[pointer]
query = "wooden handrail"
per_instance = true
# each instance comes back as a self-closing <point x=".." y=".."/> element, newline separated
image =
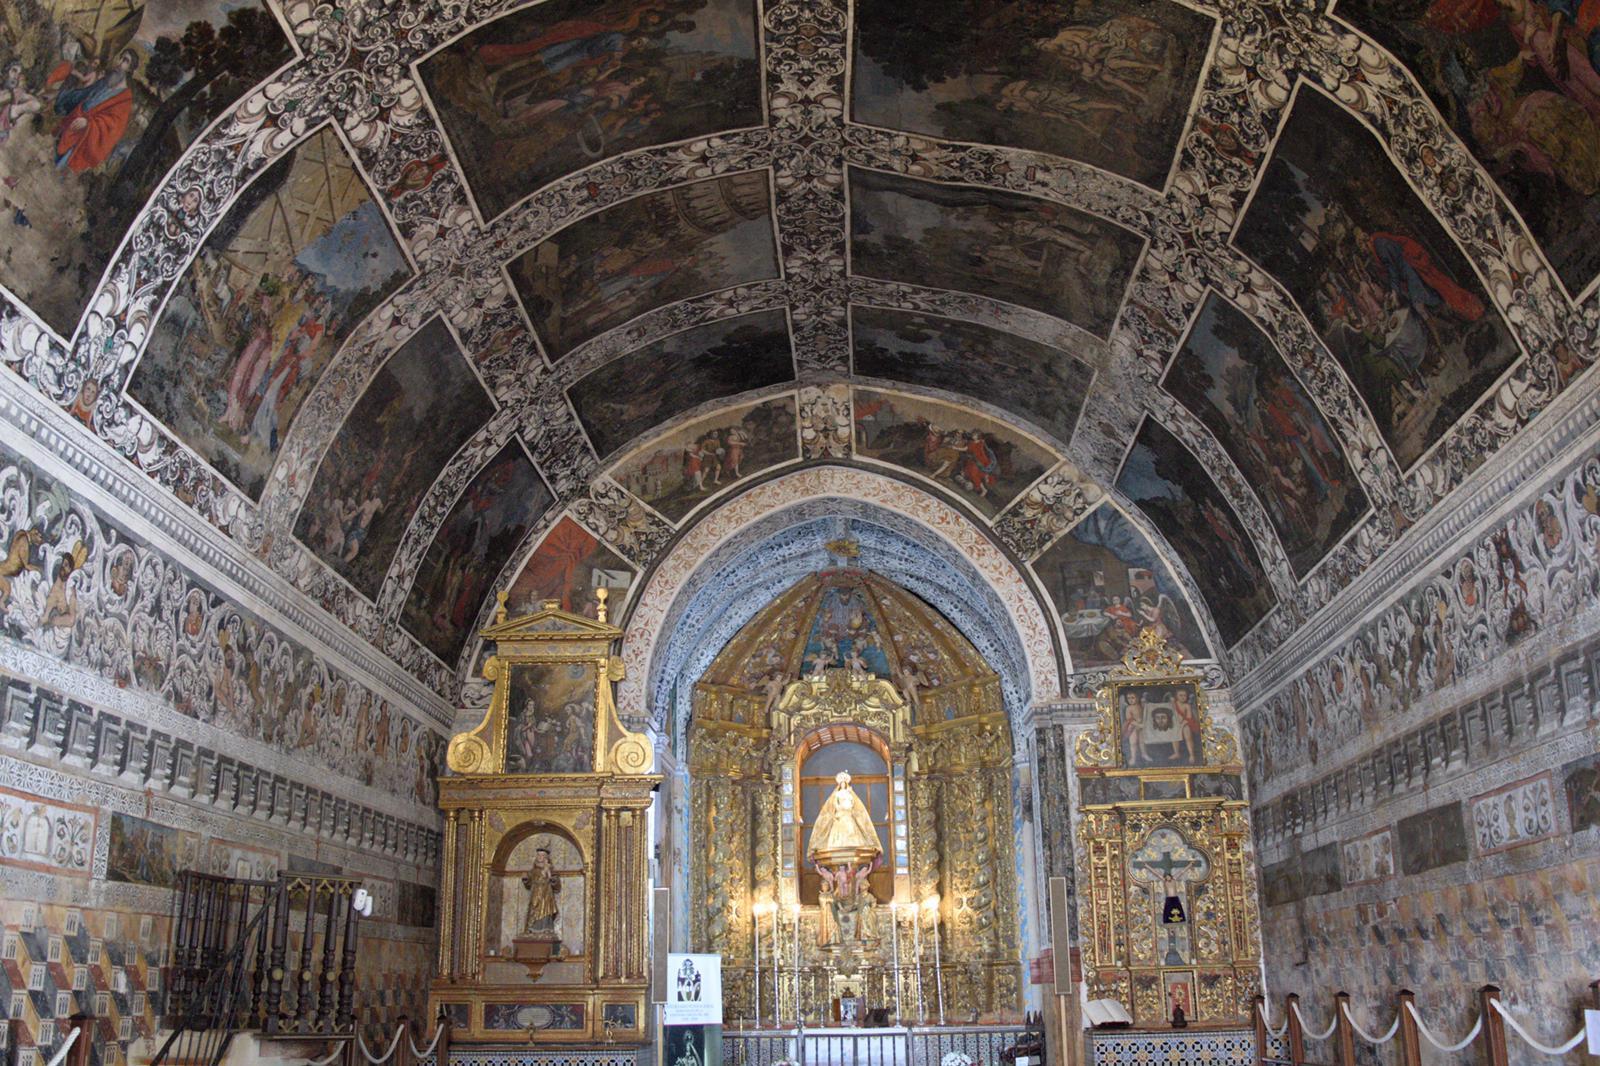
<point x="1258" y="1014"/>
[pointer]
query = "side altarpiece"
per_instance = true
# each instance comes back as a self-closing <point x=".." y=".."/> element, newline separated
<point x="1167" y="906"/>
<point x="542" y="928"/>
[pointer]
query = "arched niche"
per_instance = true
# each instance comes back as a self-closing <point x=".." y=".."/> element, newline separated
<point x="507" y="898"/>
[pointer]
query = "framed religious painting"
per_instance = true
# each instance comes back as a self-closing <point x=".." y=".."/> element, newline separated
<point x="551" y="713"/>
<point x="1158" y="723"/>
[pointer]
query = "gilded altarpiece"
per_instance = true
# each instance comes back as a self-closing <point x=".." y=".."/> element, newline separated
<point x="1168" y="914"/>
<point x="848" y="660"/>
<point x="542" y="924"/>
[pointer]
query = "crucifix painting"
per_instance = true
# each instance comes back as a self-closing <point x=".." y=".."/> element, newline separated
<point x="1167" y="865"/>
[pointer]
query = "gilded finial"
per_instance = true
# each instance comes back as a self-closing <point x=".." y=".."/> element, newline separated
<point x="600" y="594"/>
<point x="500" y="611"/>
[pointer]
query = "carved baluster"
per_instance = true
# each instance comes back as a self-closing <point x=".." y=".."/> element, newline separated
<point x="347" y="971"/>
<point x="303" y="1009"/>
<point x="326" y="990"/>
<point x="280" y="957"/>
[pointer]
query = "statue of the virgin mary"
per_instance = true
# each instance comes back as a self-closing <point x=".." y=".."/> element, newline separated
<point x="843" y="832"/>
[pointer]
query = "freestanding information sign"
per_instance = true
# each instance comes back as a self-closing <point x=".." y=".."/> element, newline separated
<point x="691" y="1017"/>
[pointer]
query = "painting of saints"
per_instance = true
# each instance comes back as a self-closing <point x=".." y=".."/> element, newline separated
<point x="1519" y="82"/>
<point x="676" y="472"/>
<point x="1382" y="282"/>
<point x="1230" y="377"/>
<point x="97" y="102"/>
<point x="987" y="464"/>
<point x="552" y="88"/>
<point x="247" y="333"/>
<point x="550" y="718"/>
<point x="1103" y="81"/>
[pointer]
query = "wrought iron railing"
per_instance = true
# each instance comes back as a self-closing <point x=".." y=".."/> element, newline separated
<point x="979" y="1045"/>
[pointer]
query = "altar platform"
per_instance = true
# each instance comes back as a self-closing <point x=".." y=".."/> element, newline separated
<point x="980" y="1045"/>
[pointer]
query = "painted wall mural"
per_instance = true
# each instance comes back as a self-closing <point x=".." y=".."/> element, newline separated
<point x="83" y="590"/>
<point x="418" y="410"/>
<point x="1108" y="583"/>
<point x="626" y="397"/>
<point x="1520" y="578"/>
<point x="675" y="473"/>
<point x="297" y="262"/>
<point x="1383" y="284"/>
<point x="1104" y="81"/>
<point x="645" y="253"/>
<point x="1517" y="82"/>
<point x="1231" y="377"/>
<point x="96" y="103"/>
<point x="550" y="89"/>
<point x="484" y="527"/>
<point x="982" y="461"/>
<point x="1169" y="485"/>
<point x="1039" y="382"/>
<point x="1019" y="249"/>
<point x="569" y="564"/>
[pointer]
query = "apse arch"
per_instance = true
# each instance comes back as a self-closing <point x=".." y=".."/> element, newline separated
<point x="736" y="558"/>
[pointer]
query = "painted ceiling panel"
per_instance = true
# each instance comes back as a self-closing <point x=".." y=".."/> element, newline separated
<point x="1044" y="384"/>
<point x="150" y="77"/>
<point x="545" y="91"/>
<point x="567" y="566"/>
<point x="1165" y="481"/>
<point x="297" y="262"/>
<point x="681" y="469"/>
<point x="646" y="253"/>
<point x="1107" y="583"/>
<point x="418" y="410"/>
<point x="1525" y="111"/>
<point x="981" y="461"/>
<point x="1388" y="291"/>
<point x="1014" y="248"/>
<point x="1104" y="81"/>
<point x="483" y="529"/>
<point x="1230" y="377"/>
<point x="668" y="378"/>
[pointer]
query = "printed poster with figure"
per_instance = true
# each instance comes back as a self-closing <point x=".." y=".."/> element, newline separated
<point x="694" y="990"/>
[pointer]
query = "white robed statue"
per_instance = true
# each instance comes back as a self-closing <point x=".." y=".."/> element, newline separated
<point x="843" y="833"/>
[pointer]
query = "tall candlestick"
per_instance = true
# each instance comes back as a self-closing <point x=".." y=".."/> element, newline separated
<point x="894" y="938"/>
<point x="795" y="911"/>
<point x="775" y="950"/>
<point x="916" y="939"/>
<point x="938" y="973"/>
<point x="755" y="922"/>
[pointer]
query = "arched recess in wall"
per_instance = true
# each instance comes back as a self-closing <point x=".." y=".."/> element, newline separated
<point x="723" y="569"/>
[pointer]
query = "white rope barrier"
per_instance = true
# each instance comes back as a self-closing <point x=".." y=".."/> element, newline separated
<point x="1266" y="1019"/>
<point x="422" y="1053"/>
<point x="1520" y="1031"/>
<point x="66" y="1045"/>
<point x="1427" y="1034"/>
<point x="1344" y="1005"/>
<point x="387" y="1055"/>
<point x="338" y="1049"/>
<point x="1306" y="1032"/>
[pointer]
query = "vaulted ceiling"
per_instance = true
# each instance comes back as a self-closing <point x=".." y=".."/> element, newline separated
<point x="417" y="303"/>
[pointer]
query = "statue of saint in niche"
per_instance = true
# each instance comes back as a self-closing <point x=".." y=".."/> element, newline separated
<point x="543" y="885"/>
<point x="843" y="833"/>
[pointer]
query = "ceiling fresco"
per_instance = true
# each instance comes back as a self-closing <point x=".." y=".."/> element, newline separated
<point x="1247" y="277"/>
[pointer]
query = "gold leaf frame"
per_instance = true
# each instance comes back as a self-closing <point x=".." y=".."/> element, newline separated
<point x="1151" y="663"/>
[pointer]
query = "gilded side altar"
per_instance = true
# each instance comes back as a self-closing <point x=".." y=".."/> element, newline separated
<point x="542" y="922"/>
<point x="1167" y="905"/>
